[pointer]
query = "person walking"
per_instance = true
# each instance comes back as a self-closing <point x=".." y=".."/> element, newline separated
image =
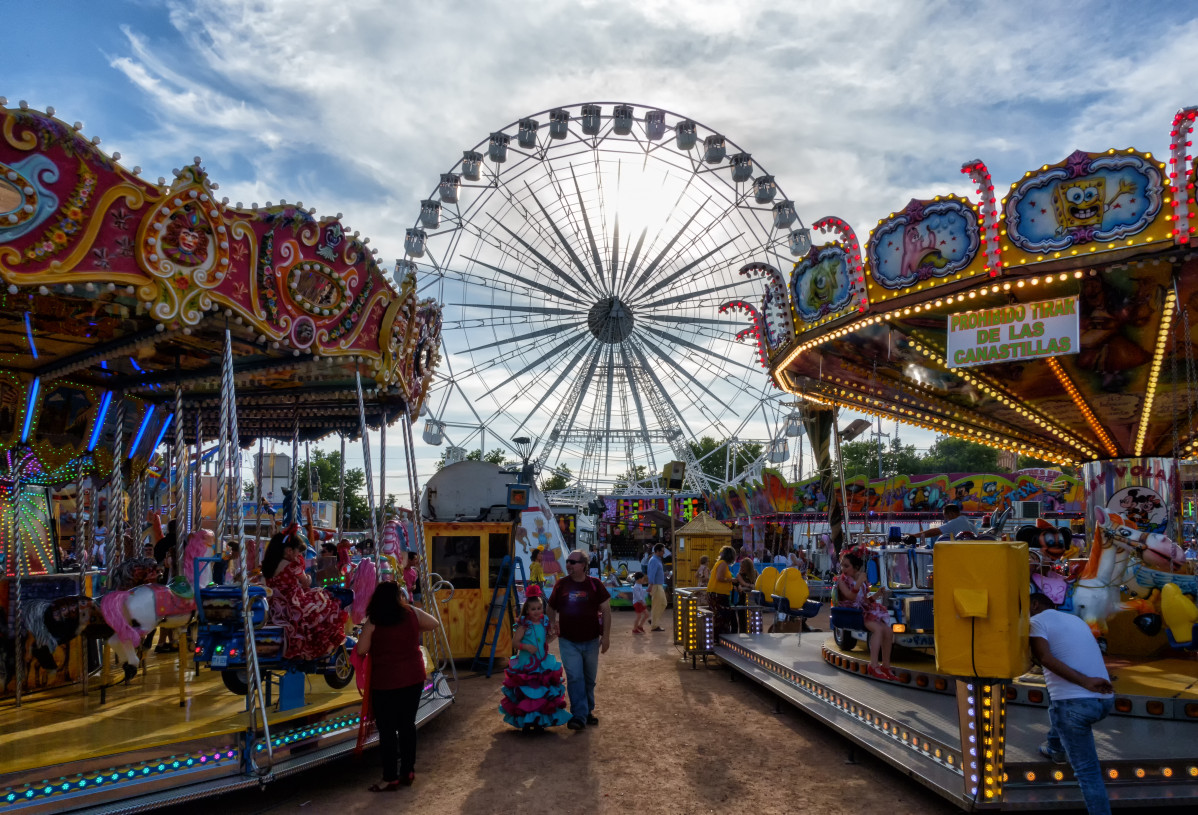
<point x="1080" y="695"/>
<point x="657" y="588"/>
<point x="580" y="617"/>
<point x="391" y="637"/>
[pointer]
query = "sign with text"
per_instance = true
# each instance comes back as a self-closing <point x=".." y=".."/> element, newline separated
<point x="1011" y="333"/>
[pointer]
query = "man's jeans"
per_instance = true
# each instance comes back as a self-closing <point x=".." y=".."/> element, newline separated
<point x="1071" y="722"/>
<point x="581" y="661"/>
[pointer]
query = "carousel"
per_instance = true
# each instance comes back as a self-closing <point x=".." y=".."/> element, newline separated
<point x="149" y="332"/>
<point x="1052" y="322"/>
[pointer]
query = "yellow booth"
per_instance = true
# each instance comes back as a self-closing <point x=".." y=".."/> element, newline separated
<point x="468" y="555"/>
<point x="704" y="535"/>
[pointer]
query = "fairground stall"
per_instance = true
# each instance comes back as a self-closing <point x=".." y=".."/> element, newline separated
<point x="1054" y="322"/>
<point x="148" y="322"/>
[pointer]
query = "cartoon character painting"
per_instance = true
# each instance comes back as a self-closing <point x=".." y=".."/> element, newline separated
<point x="928" y="239"/>
<point x="822" y="283"/>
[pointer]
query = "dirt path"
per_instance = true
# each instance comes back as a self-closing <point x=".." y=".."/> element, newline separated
<point x="670" y="740"/>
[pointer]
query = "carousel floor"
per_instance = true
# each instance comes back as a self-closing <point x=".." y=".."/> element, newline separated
<point x="64" y="726"/>
<point x="1164" y="677"/>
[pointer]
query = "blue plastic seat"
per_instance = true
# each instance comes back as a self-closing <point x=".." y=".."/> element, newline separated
<point x="1192" y="645"/>
<point x="809" y="609"/>
<point x="760" y="599"/>
<point x="847" y="617"/>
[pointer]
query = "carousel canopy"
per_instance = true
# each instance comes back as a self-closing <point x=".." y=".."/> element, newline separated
<point x="1055" y="322"/>
<point x="119" y="289"/>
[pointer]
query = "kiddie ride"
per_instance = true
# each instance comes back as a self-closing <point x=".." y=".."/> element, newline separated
<point x="905" y="572"/>
<point x="221" y="643"/>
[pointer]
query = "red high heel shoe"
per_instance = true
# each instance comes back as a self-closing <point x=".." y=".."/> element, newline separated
<point x="877" y="673"/>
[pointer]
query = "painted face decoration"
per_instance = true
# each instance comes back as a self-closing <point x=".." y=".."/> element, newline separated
<point x="186" y="238"/>
<point x="1080" y="202"/>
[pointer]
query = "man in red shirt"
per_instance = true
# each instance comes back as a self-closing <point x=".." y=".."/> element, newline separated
<point x="580" y="616"/>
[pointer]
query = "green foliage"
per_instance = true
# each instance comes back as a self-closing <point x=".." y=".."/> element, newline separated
<point x="636" y="474"/>
<point x="716" y="464"/>
<point x="558" y="479"/>
<point x="952" y="455"/>
<point x="496" y="456"/>
<point x="861" y="458"/>
<point x="326" y="468"/>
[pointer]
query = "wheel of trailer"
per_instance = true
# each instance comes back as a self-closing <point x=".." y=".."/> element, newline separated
<point x="845" y="639"/>
<point x="236" y="681"/>
<point x="342" y="670"/>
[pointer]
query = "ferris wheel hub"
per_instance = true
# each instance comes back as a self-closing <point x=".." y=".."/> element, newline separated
<point x="610" y="320"/>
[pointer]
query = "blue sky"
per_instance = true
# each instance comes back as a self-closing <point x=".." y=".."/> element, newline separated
<point x="356" y="107"/>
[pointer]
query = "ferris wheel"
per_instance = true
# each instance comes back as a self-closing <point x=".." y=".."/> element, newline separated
<point x="581" y="255"/>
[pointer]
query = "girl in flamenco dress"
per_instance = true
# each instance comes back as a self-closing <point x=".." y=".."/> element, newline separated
<point x="533" y="693"/>
<point x="312" y="618"/>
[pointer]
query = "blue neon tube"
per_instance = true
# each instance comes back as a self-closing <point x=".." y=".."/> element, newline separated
<point x="141" y="431"/>
<point x="99" y="425"/>
<point x="29" y="408"/>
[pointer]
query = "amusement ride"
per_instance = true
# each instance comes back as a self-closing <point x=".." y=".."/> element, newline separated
<point x="582" y="277"/>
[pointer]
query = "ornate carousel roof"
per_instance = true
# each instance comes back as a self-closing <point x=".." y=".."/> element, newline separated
<point x="1054" y="322"/>
<point x="115" y="287"/>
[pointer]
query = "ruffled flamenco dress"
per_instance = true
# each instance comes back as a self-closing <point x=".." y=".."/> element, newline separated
<point x="534" y="696"/>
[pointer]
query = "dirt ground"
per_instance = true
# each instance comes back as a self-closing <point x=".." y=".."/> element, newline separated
<point x="670" y="740"/>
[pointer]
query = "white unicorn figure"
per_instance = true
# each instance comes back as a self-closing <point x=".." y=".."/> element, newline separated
<point x="135" y="613"/>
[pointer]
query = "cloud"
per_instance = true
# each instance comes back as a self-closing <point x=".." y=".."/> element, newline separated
<point x="855" y="107"/>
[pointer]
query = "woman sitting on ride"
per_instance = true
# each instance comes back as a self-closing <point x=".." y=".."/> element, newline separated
<point x="313" y="619"/>
<point x="852" y="590"/>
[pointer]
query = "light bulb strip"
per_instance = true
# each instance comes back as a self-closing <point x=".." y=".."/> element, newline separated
<point x="991" y="245"/>
<point x="1158" y="356"/>
<point x="1075" y="395"/>
<point x="1007" y="399"/>
<point x="1179" y="173"/>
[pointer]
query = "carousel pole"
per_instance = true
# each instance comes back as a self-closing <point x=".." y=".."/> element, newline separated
<point x="258" y="505"/>
<point x="116" y="491"/>
<point x="82" y="549"/>
<point x="195" y="495"/>
<point x="22" y="572"/>
<point x="341" y="492"/>
<point x="383" y="468"/>
<point x="374" y="520"/>
<point x="255" y="698"/>
<point x="294" y="503"/>
<point x="438" y="636"/>
<point x="179" y="459"/>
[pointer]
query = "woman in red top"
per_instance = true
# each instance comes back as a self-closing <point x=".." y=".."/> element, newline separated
<point x="391" y="636"/>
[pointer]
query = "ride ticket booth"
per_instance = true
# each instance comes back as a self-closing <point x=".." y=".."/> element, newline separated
<point x="463" y="558"/>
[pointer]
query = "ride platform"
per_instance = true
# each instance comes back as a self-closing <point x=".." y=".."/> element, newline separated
<point x="1148" y="749"/>
<point x="66" y="752"/>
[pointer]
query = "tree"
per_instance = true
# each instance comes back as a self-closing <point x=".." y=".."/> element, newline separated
<point x="497" y="456"/>
<point x="861" y="458"/>
<point x="715" y="465"/>
<point x="952" y="455"/>
<point x="634" y="475"/>
<point x="559" y="478"/>
<point x="326" y="469"/>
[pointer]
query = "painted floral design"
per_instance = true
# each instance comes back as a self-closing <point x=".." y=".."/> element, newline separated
<point x="72" y="214"/>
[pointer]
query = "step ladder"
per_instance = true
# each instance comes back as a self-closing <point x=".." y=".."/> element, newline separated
<point x="500" y="608"/>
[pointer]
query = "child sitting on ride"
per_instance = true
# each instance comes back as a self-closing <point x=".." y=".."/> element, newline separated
<point x="703" y="573"/>
<point x="640" y="593"/>
<point x="533" y="693"/>
<point x="852" y="590"/>
<point x="312" y="618"/>
<point x="746" y="579"/>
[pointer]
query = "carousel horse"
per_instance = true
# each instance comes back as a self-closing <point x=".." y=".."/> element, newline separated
<point x="1097" y="595"/>
<point x="52" y="623"/>
<point x="134" y="613"/>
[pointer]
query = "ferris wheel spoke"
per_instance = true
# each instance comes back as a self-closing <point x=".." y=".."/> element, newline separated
<point x="611" y="382"/>
<point x="668" y="359"/>
<point x="530" y="283"/>
<point x="661" y="389"/>
<point x="569" y="312"/>
<point x="557" y="270"/>
<point x="736" y="284"/>
<point x="665" y="281"/>
<point x="645" y="275"/>
<point x="566" y="370"/>
<point x="565" y="244"/>
<point x="586" y="222"/>
<point x="544" y="332"/>
<point x="636" y="395"/>
<point x="560" y="347"/>
<point x="707" y="352"/>
<point x="688" y="320"/>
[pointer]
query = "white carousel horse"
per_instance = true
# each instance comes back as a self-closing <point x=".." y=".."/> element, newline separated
<point x="1111" y="566"/>
<point x="135" y="613"/>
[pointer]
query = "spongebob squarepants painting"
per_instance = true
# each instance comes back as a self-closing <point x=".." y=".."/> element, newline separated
<point x="1088" y="198"/>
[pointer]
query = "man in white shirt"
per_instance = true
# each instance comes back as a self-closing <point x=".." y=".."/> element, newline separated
<point x="954" y="523"/>
<point x="1080" y="695"/>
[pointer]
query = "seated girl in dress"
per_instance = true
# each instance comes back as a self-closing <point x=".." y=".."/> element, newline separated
<point x="852" y="590"/>
<point x="533" y="693"/>
<point x="312" y="618"/>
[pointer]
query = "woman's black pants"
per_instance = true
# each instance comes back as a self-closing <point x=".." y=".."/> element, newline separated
<point x="395" y="717"/>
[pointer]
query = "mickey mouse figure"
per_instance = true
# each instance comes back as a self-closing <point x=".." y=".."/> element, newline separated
<point x="1047" y="546"/>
